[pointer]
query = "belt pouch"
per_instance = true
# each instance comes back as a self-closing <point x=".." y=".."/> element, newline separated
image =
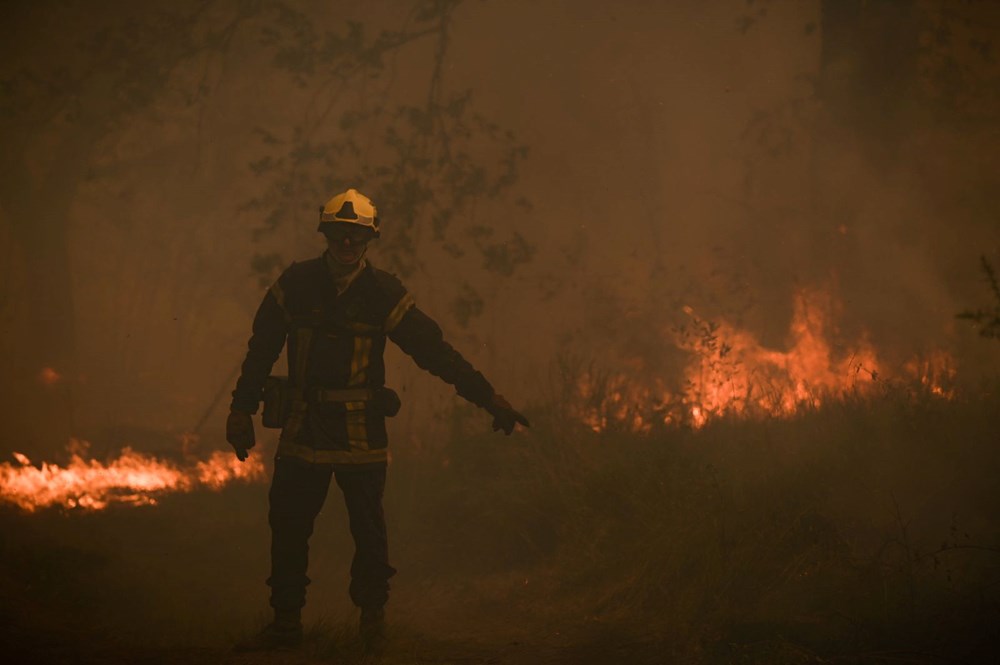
<point x="277" y="402"/>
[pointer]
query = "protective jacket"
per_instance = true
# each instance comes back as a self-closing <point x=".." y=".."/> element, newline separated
<point x="344" y="336"/>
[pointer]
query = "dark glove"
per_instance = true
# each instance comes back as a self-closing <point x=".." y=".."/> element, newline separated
<point x="504" y="415"/>
<point x="239" y="433"/>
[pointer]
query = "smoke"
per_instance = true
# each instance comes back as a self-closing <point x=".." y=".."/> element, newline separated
<point x="678" y="155"/>
<point x="697" y="163"/>
<point x="684" y="159"/>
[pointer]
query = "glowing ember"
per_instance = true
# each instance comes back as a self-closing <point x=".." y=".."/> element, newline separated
<point x="49" y="377"/>
<point x="131" y="478"/>
<point x="731" y="373"/>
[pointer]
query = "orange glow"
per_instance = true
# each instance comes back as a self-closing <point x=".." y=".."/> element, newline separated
<point x="936" y="373"/>
<point x="131" y="478"/>
<point x="730" y="373"/>
<point x="49" y="377"/>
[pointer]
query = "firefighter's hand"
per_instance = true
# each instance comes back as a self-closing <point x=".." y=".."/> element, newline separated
<point x="239" y="433"/>
<point x="504" y="415"/>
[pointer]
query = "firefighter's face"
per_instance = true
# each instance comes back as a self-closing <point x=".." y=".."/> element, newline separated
<point x="348" y="245"/>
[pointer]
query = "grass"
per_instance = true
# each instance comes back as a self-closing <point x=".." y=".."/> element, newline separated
<point x="852" y="533"/>
<point x="862" y="532"/>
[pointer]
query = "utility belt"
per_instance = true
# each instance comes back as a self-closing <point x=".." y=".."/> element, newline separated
<point x="279" y="396"/>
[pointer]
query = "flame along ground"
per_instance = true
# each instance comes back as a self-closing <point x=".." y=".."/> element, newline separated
<point x="729" y="373"/>
<point x="131" y="478"/>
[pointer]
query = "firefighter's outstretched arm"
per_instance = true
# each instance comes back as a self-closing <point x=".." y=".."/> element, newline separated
<point x="504" y="415"/>
<point x="420" y="337"/>
<point x="269" y="332"/>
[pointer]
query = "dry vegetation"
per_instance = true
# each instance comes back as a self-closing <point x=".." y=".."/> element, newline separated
<point x="863" y="532"/>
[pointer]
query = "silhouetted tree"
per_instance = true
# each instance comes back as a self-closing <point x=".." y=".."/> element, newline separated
<point x="103" y="66"/>
<point x="428" y="162"/>
<point x="987" y="320"/>
<point x="57" y="105"/>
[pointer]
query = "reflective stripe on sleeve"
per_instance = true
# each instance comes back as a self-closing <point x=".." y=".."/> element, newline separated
<point x="279" y="295"/>
<point x="396" y="315"/>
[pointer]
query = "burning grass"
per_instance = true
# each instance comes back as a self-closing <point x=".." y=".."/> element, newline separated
<point x="730" y="373"/>
<point x="130" y="478"/>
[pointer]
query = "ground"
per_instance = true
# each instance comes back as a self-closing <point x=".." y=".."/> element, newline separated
<point x="865" y="532"/>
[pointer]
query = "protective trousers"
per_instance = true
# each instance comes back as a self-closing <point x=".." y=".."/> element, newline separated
<point x="298" y="491"/>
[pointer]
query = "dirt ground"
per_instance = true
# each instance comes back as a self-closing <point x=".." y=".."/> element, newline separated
<point x="135" y="586"/>
<point x="864" y="533"/>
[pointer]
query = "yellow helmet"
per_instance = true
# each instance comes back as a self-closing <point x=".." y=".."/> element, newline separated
<point x="351" y="207"/>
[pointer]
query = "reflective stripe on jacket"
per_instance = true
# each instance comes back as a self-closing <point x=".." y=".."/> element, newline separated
<point x="345" y="337"/>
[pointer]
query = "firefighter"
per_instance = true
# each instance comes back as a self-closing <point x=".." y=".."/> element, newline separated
<point x="335" y="313"/>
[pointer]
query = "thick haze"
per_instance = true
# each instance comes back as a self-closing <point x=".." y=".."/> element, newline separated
<point x="677" y="156"/>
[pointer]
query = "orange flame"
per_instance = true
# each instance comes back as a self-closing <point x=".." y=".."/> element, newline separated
<point x="731" y="373"/>
<point x="936" y="373"/>
<point x="131" y="478"/>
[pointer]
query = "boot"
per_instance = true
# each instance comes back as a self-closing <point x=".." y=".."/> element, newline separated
<point x="285" y="632"/>
<point x="371" y="630"/>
